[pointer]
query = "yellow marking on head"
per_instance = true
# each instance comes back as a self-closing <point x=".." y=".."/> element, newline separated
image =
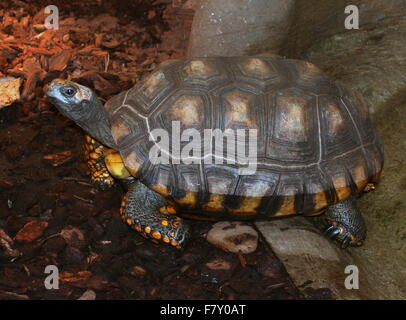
<point x="165" y="223"/>
<point x="172" y="234"/>
<point x="166" y="240"/>
<point x="174" y="243"/>
<point x="147" y="229"/>
<point x="129" y="221"/>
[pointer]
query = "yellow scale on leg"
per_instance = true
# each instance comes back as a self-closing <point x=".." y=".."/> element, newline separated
<point x="95" y="156"/>
<point x="147" y="232"/>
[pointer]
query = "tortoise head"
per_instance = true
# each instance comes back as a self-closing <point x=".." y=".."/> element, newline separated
<point x="72" y="99"/>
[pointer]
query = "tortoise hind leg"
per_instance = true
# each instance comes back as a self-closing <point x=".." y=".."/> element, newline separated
<point x="146" y="212"/>
<point x="95" y="154"/>
<point x="346" y="224"/>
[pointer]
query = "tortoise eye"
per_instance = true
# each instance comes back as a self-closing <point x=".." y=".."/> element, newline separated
<point x="69" y="91"/>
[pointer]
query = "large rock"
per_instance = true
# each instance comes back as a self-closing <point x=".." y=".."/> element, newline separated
<point x="239" y="27"/>
<point x="371" y="59"/>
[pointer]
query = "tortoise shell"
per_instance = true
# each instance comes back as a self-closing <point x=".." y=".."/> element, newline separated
<point x="315" y="142"/>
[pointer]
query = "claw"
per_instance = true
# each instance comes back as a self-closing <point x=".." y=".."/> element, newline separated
<point x="346" y="242"/>
<point x="332" y="232"/>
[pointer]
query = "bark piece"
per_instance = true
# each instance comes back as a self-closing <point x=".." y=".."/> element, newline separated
<point x="9" y="91"/>
<point x="31" y="231"/>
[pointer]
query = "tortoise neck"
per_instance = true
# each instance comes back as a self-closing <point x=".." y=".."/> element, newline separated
<point x="97" y="124"/>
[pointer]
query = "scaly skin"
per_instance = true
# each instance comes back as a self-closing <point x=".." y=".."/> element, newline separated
<point x="346" y="224"/>
<point x="146" y="212"/>
<point x="94" y="155"/>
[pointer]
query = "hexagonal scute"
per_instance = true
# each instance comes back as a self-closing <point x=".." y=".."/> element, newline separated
<point x="259" y="72"/>
<point x="337" y="129"/>
<point x="199" y="68"/>
<point x="205" y="72"/>
<point x="355" y="104"/>
<point x="155" y="82"/>
<point x="127" y="127"/>
<point x="146" y="94"/>
<point x="309" y="77"/>
<point x="178" y="118"/>
<point x="188" y="110"/>
<point x="292" y="119"/>
<point x="293" y="125"/>
<point x="256" y="68"/>
<point x="239" y="109"/>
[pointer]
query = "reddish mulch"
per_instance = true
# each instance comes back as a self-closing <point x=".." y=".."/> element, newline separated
<point x="50" y="214"/>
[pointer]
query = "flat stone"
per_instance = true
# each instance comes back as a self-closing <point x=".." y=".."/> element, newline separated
<point x="316" y="264"/>
<point x="236" y="237"/>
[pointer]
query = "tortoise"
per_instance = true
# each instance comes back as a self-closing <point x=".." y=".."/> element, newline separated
<point x="315" y="148"/>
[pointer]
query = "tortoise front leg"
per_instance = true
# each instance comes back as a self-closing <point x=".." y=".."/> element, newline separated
<point x="346" y="224"/>
<point x="95" y="159"/>
<point x="146" y="212"/>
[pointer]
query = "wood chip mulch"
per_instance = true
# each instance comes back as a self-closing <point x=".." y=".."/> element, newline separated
<point x="49" y="212"/>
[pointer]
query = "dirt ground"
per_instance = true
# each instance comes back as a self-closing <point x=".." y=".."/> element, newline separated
<point x="50" y="214"/>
